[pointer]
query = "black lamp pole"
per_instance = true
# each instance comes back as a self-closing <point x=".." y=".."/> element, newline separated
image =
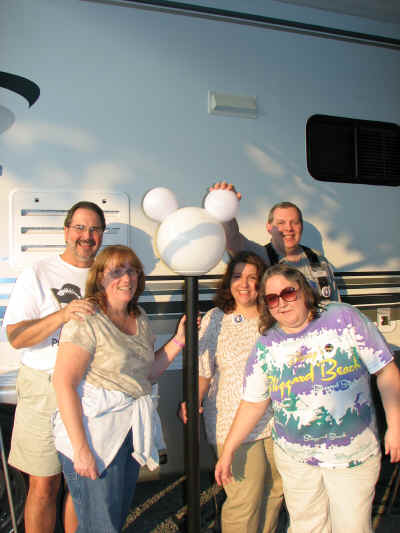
<point x="191" y="395"/>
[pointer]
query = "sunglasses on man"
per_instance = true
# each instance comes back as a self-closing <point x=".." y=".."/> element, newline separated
<point x="289" y="294"/>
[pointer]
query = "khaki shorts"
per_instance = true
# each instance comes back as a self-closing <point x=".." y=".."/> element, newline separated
<point x="32" y="442"/>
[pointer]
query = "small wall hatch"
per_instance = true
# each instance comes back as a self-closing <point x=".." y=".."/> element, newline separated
<point x="232" y="105"/>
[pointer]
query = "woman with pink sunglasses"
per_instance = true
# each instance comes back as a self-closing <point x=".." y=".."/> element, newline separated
<point x="314" y="364"/>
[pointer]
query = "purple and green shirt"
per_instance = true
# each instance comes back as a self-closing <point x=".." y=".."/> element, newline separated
<point x="319" y="382"/>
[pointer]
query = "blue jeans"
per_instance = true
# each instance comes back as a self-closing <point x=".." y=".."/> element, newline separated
<point x="102" y="505"/>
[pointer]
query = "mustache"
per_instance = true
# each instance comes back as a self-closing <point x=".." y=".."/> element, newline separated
<point x="86" y="241"/>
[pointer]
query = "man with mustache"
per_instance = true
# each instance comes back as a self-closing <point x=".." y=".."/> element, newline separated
<point x="45" y="297"/>
<point x="285" y="225"/>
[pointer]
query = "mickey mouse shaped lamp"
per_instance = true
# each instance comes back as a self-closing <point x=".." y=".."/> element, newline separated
<point x="191" y="241"/>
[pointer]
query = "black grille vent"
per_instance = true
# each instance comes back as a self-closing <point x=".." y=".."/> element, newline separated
<point x="353" y="151"/>
<point x="379" y="155"/>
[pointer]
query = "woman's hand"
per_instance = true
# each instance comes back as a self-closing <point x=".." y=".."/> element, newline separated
<point x="85" y="463"/>
<point x="167" y="353"/>
<point x="392" y="444"/>
<point x="180" y="334"/>
<point x="223" y="469"/>
<point x="388" y="381"/>
<point x="182" y="412"/>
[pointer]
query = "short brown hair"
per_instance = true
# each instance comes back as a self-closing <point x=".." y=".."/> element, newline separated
<point x="223" y="298"/>
<point x="121" y="254"/>
<point x="311" y="299"/>
<point x="284" y="205"/>
<point x="91" y="206"/>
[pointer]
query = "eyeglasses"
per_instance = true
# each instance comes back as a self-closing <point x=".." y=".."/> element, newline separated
<point x="79" y="228"/>
<point x="118" y="272"/>
<point x="289" y="294"/>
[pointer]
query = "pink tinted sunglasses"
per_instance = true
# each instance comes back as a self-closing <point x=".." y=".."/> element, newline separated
<point x="289" y="294"/>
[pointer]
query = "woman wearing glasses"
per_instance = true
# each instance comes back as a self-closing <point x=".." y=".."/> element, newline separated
<point x="103" y="378"/>
<point x="227" y="334"/>
<point x="313" y="363"/>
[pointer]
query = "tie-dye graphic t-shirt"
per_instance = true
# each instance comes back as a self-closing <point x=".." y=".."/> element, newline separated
<point x="319" y="383"/>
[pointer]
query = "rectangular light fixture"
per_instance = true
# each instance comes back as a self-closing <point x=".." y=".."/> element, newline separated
<point x="231" y="105"/>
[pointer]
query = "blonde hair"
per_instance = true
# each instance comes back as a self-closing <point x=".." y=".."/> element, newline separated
<point x="119" y="254"/>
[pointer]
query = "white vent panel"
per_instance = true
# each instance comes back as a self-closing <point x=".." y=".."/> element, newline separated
<point x="37" y="221"/>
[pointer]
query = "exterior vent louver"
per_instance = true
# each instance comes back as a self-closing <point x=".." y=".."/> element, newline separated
<point x="379" y="155"/>
<point x="353" y="151"/>
<point x="37" y="221"/>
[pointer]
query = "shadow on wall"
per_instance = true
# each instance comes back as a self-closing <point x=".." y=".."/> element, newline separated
<point x="312" y="237"/>
<point x="7" y="119"/>
<point x="335" y="204"/>
<point x="142" y="245"/>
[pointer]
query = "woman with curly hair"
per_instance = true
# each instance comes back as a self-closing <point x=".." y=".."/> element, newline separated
<point x="227" y="334"/>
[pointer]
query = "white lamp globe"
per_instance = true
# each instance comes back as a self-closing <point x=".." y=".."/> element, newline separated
<point x="190" y="241"/>
<point x="159" y="202"/>
<point x="223" y="204"/>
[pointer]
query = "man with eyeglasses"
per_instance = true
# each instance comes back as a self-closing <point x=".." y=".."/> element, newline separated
<point x="45" y="297"/>
<point x="285" y="225"/>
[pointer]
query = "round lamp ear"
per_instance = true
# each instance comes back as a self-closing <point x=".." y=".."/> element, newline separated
<point x="222" y="204"/>
<point x="159" y="202"/>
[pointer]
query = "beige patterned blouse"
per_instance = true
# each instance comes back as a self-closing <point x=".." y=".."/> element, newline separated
<point x="225" y="343"/>
<point x="119" y="361"/>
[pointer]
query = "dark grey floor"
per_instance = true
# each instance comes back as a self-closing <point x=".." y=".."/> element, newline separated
<point x="159" y="506"/>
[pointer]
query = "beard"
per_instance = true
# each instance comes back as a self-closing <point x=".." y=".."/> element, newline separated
<point x="83" y="248"/>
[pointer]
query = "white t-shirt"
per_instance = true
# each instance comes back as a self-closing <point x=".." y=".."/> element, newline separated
<point x="40" y="290"/>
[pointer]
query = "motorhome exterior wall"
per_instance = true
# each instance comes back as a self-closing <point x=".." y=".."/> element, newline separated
<point x="123" y="108"/>
<point x="303" y="11"/>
